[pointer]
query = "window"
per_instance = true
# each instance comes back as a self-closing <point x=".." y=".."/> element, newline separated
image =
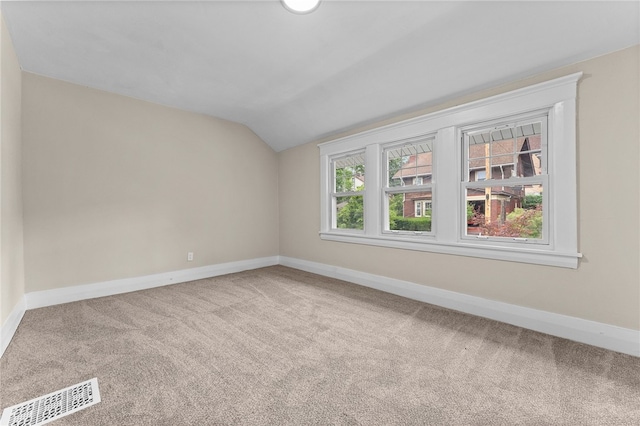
<point x="348" y="189"/>
<point x="511" y="159"/>
<point x="426" y="209"/>
<point x="495" y="178"/>
<point x="422" y="208"/>
<point x="409" y="168"/>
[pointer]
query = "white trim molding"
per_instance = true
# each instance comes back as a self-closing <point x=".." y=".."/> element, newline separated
<point x="11" y="324"/>
<point x="552" y="103"/>
<point x="39" y="299"/>
<point x="593" y="333"/>
<point x="580" y="330"/>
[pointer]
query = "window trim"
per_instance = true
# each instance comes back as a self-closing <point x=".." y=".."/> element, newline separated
<point x="335" y="194"/>
<point x="421" y="206"/>
<point x="557" y="96"/>
<point x="541" y="179"/>
<point x="403" y="188"/>
<point x="484" y="176"/>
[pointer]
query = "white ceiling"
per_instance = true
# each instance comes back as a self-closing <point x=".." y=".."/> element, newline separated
<point x="297" y="78"/>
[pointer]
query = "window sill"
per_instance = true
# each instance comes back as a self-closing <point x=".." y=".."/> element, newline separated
<point x="512" y="254"/>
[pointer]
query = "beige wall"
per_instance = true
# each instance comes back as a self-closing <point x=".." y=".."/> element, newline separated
<point x="605" y="287"/>
<point x="11" y="235"/>
<point x="116" y="188"/>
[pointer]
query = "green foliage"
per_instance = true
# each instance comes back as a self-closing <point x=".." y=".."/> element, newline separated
<point x="396" y="205"/>
<point x="411" y="224"/>
<point x="350" y="208"/>
<point x="531" y="201"/>
<point x="395" y="164"/>
<point x="528" y="222"/>
<point x="474" y="217"/>
<point x="351" y="214"/>
<point x="397" y="221"/>
<point x="470" y="211"/>
<point x="520" y="223"/>
<point x="345" y="178"/>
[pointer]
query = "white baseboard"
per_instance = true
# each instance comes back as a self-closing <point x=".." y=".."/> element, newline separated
<point x="580" y="330"/>
<point x="39" y="299"/>
<point x="11" y="324"/>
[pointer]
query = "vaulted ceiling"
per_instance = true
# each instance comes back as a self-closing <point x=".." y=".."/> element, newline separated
<point x="297" y="78"/>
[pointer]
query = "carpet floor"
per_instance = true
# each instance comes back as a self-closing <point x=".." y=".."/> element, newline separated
<point x="279" y="346"/>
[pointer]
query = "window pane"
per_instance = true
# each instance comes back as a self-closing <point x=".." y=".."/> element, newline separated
<point x="505" y="152"/>
<point x="349" y="173"/>
<point x="350" y="212"/>
<point x="410" y="164"/>
<point x="505" y="211"/>
<point x="410" y="211"/>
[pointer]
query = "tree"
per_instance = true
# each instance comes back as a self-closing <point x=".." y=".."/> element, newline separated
<point x="345" y="178"/>
<point x="532" y="201"/>
<point x="396" y="201"/>
<point x="395" y="164"/>
<point x="350" y="207"/>
<point x="350" y="212"/>
<point x="396" y="205"/>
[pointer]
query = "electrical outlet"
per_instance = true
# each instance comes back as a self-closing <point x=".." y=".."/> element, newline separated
<point x="190" y="256"/>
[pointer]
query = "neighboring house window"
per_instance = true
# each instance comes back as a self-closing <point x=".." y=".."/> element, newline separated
<point x="422" y="208"/>
<point x="495" y="178"/>
<point x="347" y="197"/>
<point x="426" y="208"/>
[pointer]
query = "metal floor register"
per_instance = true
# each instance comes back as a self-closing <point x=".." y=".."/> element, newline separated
<point x="47" y="408"/>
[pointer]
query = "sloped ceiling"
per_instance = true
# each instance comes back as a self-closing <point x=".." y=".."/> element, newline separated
<point x="297" y="78"/>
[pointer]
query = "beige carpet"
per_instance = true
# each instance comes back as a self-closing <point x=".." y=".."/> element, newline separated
<point x="283" y="347"/>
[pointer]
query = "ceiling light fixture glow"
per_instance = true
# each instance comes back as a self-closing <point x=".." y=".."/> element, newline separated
<point x="301" y="6"/>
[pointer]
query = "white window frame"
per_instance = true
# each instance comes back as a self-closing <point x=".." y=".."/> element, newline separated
<point x="424" y="207"/>
<point x="421" y="206"/>
<point x="403" y="189"/>
<point x="556" y="97"/>
<point x="335" y="194"/>
<point x="509" y="181"/>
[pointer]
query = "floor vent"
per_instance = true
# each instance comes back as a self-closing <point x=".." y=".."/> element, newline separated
<point x="45" y="409"/>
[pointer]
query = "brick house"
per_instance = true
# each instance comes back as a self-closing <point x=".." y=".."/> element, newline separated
<point x="506" y="160"/>
<point x="417" y="170"/>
